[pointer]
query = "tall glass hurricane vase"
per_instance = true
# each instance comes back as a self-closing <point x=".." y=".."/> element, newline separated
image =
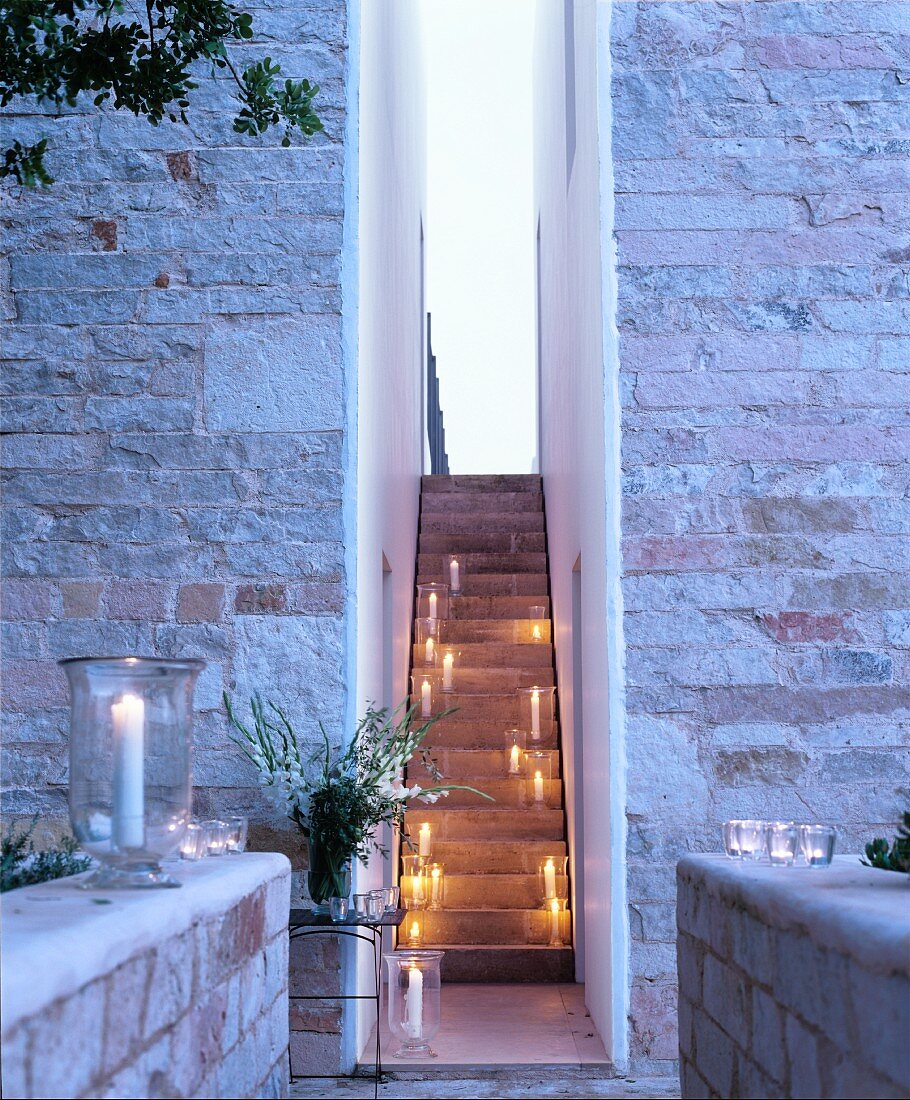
<point x="130" y="752"/>
<point x="329" y="874"/>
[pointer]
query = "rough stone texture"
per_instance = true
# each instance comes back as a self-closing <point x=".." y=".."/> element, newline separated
<point x="169" y="993"/>
<point x="761" y="175"/>
<point x="790" y="980"/>
<point x="176" y="399"/>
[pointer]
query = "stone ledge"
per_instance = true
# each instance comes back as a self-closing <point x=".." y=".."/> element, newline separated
<point x="859" y="912"/>
<point x="56" y="938"/>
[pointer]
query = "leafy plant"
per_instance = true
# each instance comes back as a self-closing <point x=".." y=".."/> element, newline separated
<point x="141" y="56"/>
<point x="894" y="856"/>
<point x="338" y="798"/>
<point x="22" y="865"/>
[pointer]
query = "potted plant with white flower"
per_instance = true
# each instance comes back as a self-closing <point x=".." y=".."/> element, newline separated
<point x="339" y="797"/>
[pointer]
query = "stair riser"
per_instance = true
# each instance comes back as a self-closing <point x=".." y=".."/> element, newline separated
<point x="492" y="891"/>
<point x="495" y="709"/>
<point x="506" y="794"/>
<point x="500" y="681"/>
<point x="480" y="502"/>
<point x="481" y="483"/>
<point x="496" y="607"/>
<point x="494" y="584"/>
<point x="479" y="770"/>
<point x="479" y="543"/>
<point x="438" y="564"/>
<point x="486" y="523"/>
<point x="483" y="825"/>
<point x="495" y="655"/>
<point x="510" y="965"/>
<point x="495" y="631"/>
<point x="488" y="926"/>
<point x="496" y="857"/>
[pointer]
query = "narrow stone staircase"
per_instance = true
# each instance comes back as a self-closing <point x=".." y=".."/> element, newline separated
<point x="493" y="926"/>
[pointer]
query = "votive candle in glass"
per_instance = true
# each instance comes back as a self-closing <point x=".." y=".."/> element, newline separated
<point x="555" y="909"/>
<point x="338" y="909"/>
<point x="239" y="827"/>
<point x="391" y="895"/>
<point x="455" y="569"/>
<point x="731" y="844"/>
<point x="433" y="601"/>
<point x="818" y="843"/>
<point x="413" y="929"/>
<point x="552" y="879"/>
<point x="216" y="837"/>
<point x="193" y="844"/>
<point x="427" y="642"/>
<point x="782" y="840"/>
<point x="749" y="837"/>
<point x="375" y="904"/>
<point x="516" y="741"/>
<point x="413" y="883"/>
<point x="449" y="660"/>
<point x="435" y="883"/>
<point x="537" y="618"/>
<point x="361" y="905"/>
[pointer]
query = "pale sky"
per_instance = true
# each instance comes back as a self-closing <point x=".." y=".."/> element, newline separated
<point x="480" y="229"/>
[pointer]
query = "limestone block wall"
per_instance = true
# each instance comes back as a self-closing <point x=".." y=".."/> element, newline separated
<point x="792" y="980"/>
<point x="761" y="174"/>
<point x="157" y="993"/>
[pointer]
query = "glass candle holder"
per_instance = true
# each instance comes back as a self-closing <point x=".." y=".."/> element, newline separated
<point x="557" y="922"/>
<point x="516" y="743"/>
<point x="192" y="846"/>
<point x="456" y="569"/>
<point x="435" y="881"/>
<point x="338" y="909"/>
<point x="413" y="995"/>
<point x="537" y="715"/>
<point x="412" y="929"/>
<point x="432" y="601"/>
<point x="130" y="751"/>
<point x="216" y="836"/>
<point x="449" y="661"/>
<point x="537" y="623"/>
<point x="426" y="693"/>
<point x="427" y="641"/>
<point x="390" y="898"/>
<point x="539" y="778"/>
<point x="412" y="883"/>
<point x="375" y="904"/>
<point x="782" y="843"/>
<point x="361" y="905"/>
<point x="749" y="837"/>
<point x="552" y="879"/>
<point x="817" y="843"/>
<point x="731" y="843"/>
<point x="239" y="827"/>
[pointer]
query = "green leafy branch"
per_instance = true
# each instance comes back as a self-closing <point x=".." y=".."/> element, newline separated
<point x="22" y="865"/>
<point x="141" y="60"/>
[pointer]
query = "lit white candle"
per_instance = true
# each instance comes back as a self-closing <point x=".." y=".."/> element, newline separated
<point x="429" y="652"/>
<point x="417" y="889"/>
<point x="554" y="921"/>
<point x="425" y="840"/>
<point x="434" y="885"/>
<point x="538" y="787"/>
<point x="414" y="933"/>
<point x="426" y="699"/>
<point x="128" y="803"/>
<point x="549" y="878"/>
<point x="414" y="1004"/>
<point x="454" y="575"/>
<point x="535" y="714"/>
<point x="536" y="634"/>
<point x="432" y="605"/>
<point x="514" y="760"/>
<point x="448" y="663"/>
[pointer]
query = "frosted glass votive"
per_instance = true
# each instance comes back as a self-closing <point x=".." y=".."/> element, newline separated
<point x="782" y="840"/>
<point x="731" y="844"/>
<point x="817" y="842"/>
<point x="749" y="837"/>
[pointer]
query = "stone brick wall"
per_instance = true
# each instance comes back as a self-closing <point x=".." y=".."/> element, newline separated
<point x="177" y="402"/>
<point x="761" y="169"/>
<point x="789" y="982"/>
<point x="173" y="993"/>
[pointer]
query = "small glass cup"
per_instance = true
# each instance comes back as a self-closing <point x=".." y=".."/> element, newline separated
<point x="361" y="906"/>
<point x="390" y="898"/>
<point x="192" y="846"/>
<point x="817" y="842"/>
<point x="216" y="836"/>
<point x="537" y="615"/>
<point x="375" y="904"/>
<point x="238" y="832"/>
<point x="782" y="840"/>
<point x="731" y="845"/>
<point x="338" y="909"/>
<point x="749" y="837"/>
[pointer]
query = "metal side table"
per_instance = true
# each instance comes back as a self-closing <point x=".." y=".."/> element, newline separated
<point x="304" y="922"/>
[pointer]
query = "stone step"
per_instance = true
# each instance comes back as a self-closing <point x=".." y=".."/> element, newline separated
<point x="511" y="794"/>
<point x="496" y="681"/>
<point x="494" y="584"/>
<point x="461" y="483"/>
<point x="482" y="763"/>
<point x="481" y="824"/>
<point x="437" y="564"/>
<point x="452" y="735"/>
<point x="518" y="891"/>
<point x="499" y="963"/>
<point x="483" y="522"/>
<point x="494" y="655"/>
<point x="504" y="631"/>
<point x="495" y="856"/>
<point x="493" y="708"/>
<point x="469" y="500"/>
<point x="479" y="542"/>
<point x="483" y="926"/>
<point x="497" y="607"/>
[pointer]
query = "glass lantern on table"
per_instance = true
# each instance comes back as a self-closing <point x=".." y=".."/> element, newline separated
<point x="414" y="995"/>
<point x="130" y="752"/>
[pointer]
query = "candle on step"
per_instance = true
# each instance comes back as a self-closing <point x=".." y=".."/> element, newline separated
<point x="128" y="803"/>
<point x="455" y="575"/>
<point x="432" y="602"/>
<point x="538" y="787"/>
<point x="515" y="760"/>
<point x="555" y="936"/>
<point x="448" y="664"/>
<point x="414" y="1005"/>
<point x="549" y="879"/>
<point x="425" y="840"/>
<point x="426" y="699"/>
<point x="434" y="885"/>
<point x="535" y="714"/>
<point x="536" y="634"/>
<point x="414" y="936"/>
<point x="429" y="652"/>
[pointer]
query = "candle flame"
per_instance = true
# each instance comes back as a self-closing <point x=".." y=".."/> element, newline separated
<point x="549" y="861"/>
<point x="435" y="872"/>
<point x="538" y="775"/>
<point x="554" y="905"/>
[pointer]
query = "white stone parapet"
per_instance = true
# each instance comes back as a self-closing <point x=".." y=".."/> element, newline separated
<point x="149" y="993"/>
<point x="793" y="981"/>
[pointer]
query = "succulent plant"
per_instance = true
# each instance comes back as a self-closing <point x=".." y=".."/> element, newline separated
<point x="894" y="856"/>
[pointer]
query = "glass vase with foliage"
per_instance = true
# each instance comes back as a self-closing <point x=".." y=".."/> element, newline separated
<point x="339" y="797"/>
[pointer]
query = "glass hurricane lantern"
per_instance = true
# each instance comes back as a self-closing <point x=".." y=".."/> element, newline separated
<point x="130" y="754"/>
<point x="414" y="1001"/>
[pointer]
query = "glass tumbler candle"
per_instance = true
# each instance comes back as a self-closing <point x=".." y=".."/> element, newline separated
<point x="192" y="846"/>
<point x="217" y="834"/>
<point x="130" y="753"/>
<point x="557" y="922"/>
<point x="413" y="883"/>
<point x="239" y="826"/>
<point x="552" y="879"/>
<point x="537" y="620"/>
<point x="426" y="692"/>
<point x="390" y="898"/>
<point x="536" y="708"/>
<point x="817" y="843"/>
<point x="516" y="743"/>
<point x="449" y="661"/>
<point x="731" y="842"/>
<point x="432" y="601"/>
<point x="539" y="778"/>
<point x="435" y="882"/>
<point x="749" y="837"/>
<point x="414" y="1000"/>
<point x="427" y="641"/>
<point x="782" y="842"/>
<point x="456" y="571"/>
